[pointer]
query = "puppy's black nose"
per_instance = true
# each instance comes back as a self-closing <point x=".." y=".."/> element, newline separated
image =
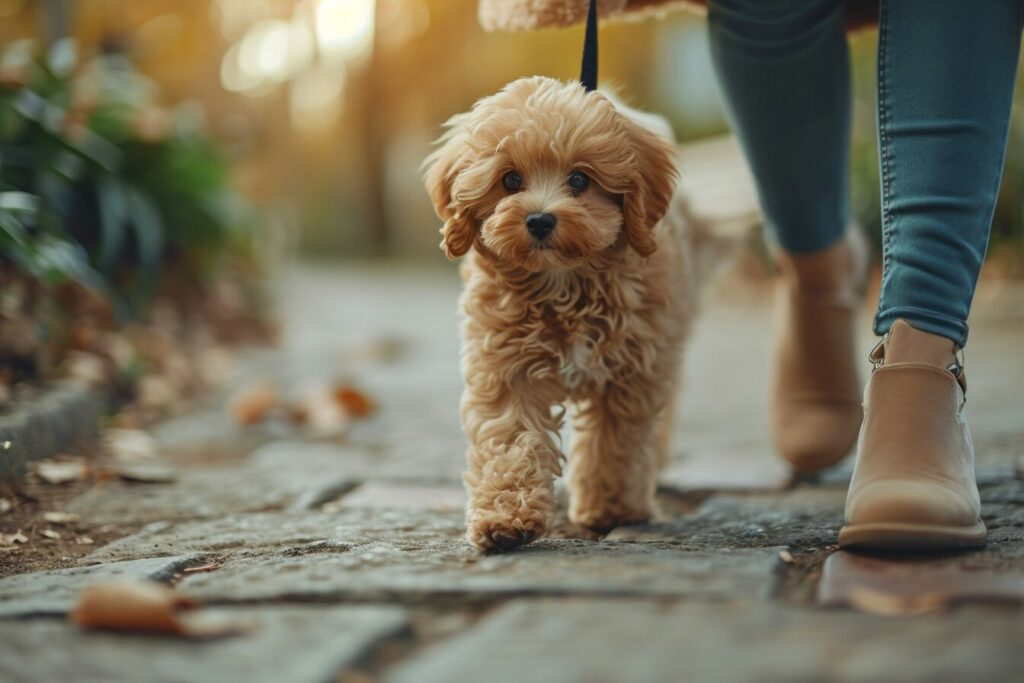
<point x="540" y="225"/>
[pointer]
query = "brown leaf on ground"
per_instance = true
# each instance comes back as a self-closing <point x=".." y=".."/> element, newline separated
<point x="355" y="402"/>
<point x="60" y="471"/>
<point x="320" y="411"/>
<point x="144" y="607"/>
<point x="254" y="402"/>
<point x="89" y="368"/>
<point x="8" y="540"/>
<point x="156" y="393"/>
<point x="5" y="505"/>
<point x="883" y="604"/>
<point x="130" y="445"/>
<point x="60" y="517"/>
<point x="153" y="472"/>
<point x="50" y="533"/>
<point x="84" y="540"/>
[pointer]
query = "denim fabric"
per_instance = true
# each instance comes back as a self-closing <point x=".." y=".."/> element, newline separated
<point x="946" y="72"/>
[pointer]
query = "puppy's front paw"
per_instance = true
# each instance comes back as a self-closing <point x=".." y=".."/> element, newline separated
<point x="498" y="532"/>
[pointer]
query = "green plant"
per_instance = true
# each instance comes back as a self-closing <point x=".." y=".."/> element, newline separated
<point x="104" y="187"/>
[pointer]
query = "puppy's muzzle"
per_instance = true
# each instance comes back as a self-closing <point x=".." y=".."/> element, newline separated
<point x="540" y="225"/>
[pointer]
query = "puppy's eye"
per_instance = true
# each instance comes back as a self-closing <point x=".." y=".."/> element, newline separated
<point x="512" y="181"/>
<point x="578" y="182"/>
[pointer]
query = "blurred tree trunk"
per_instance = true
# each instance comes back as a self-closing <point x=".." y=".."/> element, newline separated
<point x="374" y="148"/>
<point x="55" y="19"/>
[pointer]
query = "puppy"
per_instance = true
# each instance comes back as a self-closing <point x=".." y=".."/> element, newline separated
<point x="578" y="289"/>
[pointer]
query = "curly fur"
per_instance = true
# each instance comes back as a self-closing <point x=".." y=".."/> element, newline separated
<point x="528" y="15"/>
<point x="596" y="316"/>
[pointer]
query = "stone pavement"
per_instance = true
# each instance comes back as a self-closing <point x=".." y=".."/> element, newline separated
<point x="346" y="555"/>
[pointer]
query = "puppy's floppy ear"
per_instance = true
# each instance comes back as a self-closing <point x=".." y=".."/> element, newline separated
<point x="650" y="192"/>
<point x="443" y="167"/>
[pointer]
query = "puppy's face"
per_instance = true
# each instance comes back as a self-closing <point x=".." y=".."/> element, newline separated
<point x="546" y="175"/>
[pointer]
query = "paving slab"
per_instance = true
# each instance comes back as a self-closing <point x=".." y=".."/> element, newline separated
<point x="54" y="592"/>
<point x="287" y="532"/>
<point x="1005" y="490"/>
<point x="303" y="644"/>
<point x="52" y="420"/>
<point x="291" y="475"/>
<point x="408" y="454"/>
<point x="848" y="580"/>
<point x="415" y="571"/>
<point x="726" y="521"/>
<point x="387" y="496"/>
<point x="726" y="471"/>
<point x="607" y="641"/>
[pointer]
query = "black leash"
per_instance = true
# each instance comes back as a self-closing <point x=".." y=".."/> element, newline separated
<point x="588" y="71"/>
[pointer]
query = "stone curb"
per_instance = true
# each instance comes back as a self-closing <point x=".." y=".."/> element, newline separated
<point x="64" y="415"/>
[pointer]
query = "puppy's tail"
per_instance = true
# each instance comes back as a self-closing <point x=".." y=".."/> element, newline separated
<point x="713" y="241"/>
<point x="719" y="201"/>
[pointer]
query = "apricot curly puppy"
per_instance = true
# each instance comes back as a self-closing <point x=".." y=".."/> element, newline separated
<point x="577" y="288"/>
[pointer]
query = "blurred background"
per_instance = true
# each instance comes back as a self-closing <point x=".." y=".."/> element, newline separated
<point x="161" y="156"/>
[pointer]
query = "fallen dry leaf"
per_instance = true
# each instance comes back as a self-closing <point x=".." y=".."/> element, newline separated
<point x="5" y="505"/>
<point x="156" y="392"/>
<point x="355" y="402"/>
<point x="253" y="403"/>
<point x="213" y="566"/>
<point x="216" y="365"/>
<point x="87" y="367"/>
<point x="144" y="607"/>
<point x="130" y="445"/>
<point x="60" y="517"/>
<point x="321" y="412"/>
<point x="144" y="472"/>
<point x="786" y="556"/>
<point x="8" y="540"/>
<point x="60" y="471"/>
<point x="50" y="533"/>
<point x="84" y="540"/>
<point x="883" y="604"/>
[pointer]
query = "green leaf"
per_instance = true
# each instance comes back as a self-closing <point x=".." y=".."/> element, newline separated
<point x="110" y="197"/>
<point x="149" y="231"/>
<point x="57" y="260"/>
<point x="12" y="227"/>
<point x="19" y="201"/>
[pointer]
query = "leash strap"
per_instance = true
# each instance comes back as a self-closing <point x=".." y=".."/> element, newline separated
<point x="588" y="71"/>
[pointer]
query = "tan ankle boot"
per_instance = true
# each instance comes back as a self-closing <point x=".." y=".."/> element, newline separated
<point x="815" y="394"/>
<point x="913" y="485"/>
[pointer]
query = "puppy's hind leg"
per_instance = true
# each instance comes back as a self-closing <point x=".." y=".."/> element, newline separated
<point x="666" y="428"/>
<point x="613" y="464"/>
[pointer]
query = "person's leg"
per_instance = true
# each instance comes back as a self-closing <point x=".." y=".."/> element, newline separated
<point x="784" y="71"/>
<point x="946" y="73"/>
<point x="945" y="86"/>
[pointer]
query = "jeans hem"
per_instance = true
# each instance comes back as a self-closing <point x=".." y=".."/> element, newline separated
<point x="927" y="321"/>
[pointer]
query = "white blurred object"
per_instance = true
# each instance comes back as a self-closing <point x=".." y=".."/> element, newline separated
<point x="344" y="28"/>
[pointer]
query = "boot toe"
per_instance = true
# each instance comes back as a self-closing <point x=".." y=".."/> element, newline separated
<point x="816" y="436"/>
<point x="911" y="502"/>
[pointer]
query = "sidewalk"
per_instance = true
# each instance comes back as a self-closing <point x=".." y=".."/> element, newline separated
<point x="347" y="554"/>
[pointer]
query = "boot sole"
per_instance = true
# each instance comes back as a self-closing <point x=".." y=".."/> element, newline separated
<point x="892" y="536"/>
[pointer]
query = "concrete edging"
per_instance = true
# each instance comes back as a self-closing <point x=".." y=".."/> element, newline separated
<point x="62" y="416"/>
